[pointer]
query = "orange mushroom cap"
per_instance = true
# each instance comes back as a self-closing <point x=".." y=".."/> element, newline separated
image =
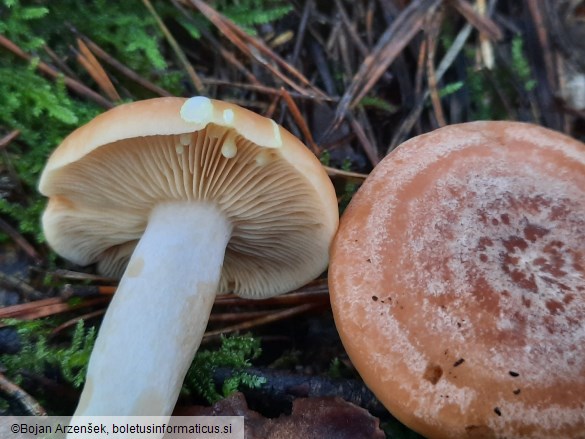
<point x="107" y="176"/>
<point x="458" y="282"/>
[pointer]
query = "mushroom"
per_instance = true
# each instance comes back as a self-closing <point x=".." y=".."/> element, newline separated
<point x="186" y="199"/>
<point x="457" y="281"/>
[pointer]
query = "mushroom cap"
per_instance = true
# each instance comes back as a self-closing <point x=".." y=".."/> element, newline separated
<point x="457" y="282"/>
<point x="107" y="176"/>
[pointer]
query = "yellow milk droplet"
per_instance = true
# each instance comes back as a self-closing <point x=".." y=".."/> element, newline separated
<point x="228" y="116"/>
<point x="263" y="158"/>
<point x="198" y="109"/>
<point x="185" y="139"/>
<point x="229" y="148"/>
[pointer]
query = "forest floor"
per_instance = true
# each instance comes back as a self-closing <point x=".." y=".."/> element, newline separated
<point x="353" y="80"/>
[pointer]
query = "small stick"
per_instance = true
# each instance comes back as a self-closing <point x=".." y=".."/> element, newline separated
<point x="267" y="90"/>
<point x="432" y="37"/>
<point x="74" y="85"/>
<point x="23" y="308"/>
<point x="362" y="49"/>
<point x="28" y="292"/>
<point x="20" y="241"/>
<point x="482" y="23"/>
<point x="60" y="63"/>
<point x="445" y="63"/>
<point x="46" y="307"/>
<point x="176" y="48"/>
<point x="296" y="114"/>
<point x="77" y="275"/>
<point x="273" y="317"/>
<point x="256" y="49"/>
<point x="16" y="395"/>
<point x="237" y="316"/>
<point x="487" y="50"/>
<point x="88" y="60"/>
<point x="72" y="322"/>
<point x="8" y="138"/>
<point x="129" y="73"/>
<point x="285" y="299"/>
<point x="389" y="46"/>
<point x="369" y="148"/>
<point x="69" y="291"/>
<point x="334" y="172"/>
<point x="300" y="36"/>
<point x="272" y="107"/>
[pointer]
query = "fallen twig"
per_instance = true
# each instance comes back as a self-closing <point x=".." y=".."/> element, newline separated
<point x="196" y="81"/>
<point x="256" y="49"/>
<point x="47" y="307"/>
<point x="16" y="396"/>
<point x="264" y="320"/>
<point x="8" y="138"/>
<point x="27" y="292"/>
<point x="300" y="120"/>
<point x="72" y="84"/>
<point x="20" y="241"/>
<point x="88" y="60"/>
<point x="390" y="44"/>
<point x="445" y="63"/>
<point x="129" y="73"/>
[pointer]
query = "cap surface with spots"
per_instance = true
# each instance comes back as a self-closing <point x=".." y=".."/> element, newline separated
<point x="458" y="282"/>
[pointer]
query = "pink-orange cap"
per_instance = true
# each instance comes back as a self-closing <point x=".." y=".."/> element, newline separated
<point x="458" y="282"/>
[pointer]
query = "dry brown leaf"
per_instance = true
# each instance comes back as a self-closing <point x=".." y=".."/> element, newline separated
<point x="311" y="418"/>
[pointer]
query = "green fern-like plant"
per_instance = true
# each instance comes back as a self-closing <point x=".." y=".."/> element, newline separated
<point x="349" y="188"/>
<point x="38" y="355"/>
<point x="43" y="112"/>
<point x="520" y="64"/>
<point x="245" y="13"/>
<point x="17" y="21"/>
<point x="248" y="13"/>
<point x="74" y="359"/>
<point x="236" y="352"/>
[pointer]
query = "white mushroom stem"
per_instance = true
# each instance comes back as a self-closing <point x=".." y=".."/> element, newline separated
<point x="157" y="318"/>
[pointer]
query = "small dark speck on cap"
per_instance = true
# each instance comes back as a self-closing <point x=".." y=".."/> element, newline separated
<point x="459" y="362"/>
<point x="497" y="411"/>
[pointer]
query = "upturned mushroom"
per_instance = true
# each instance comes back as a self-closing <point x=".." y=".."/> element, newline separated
<point x="184" y="198"/>
<point x="457" y="282"/>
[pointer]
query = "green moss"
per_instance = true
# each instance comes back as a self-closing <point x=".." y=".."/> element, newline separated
<point x="248" y="13"/>
<point x="349" y="188"/>
<point x="70" y="359"/>
<point x="38" y="355"/>
<point x="235" y="352"/>
<point x="379" y="104"/>
<point x="44" y="111"/>
<point x="520" y="64"/>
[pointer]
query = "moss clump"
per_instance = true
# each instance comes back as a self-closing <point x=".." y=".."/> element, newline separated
<point x="68" y="360"/>
<point x="235" y="352"/>
<point x="38" y="356"/>
<point x="45" y="112"/>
